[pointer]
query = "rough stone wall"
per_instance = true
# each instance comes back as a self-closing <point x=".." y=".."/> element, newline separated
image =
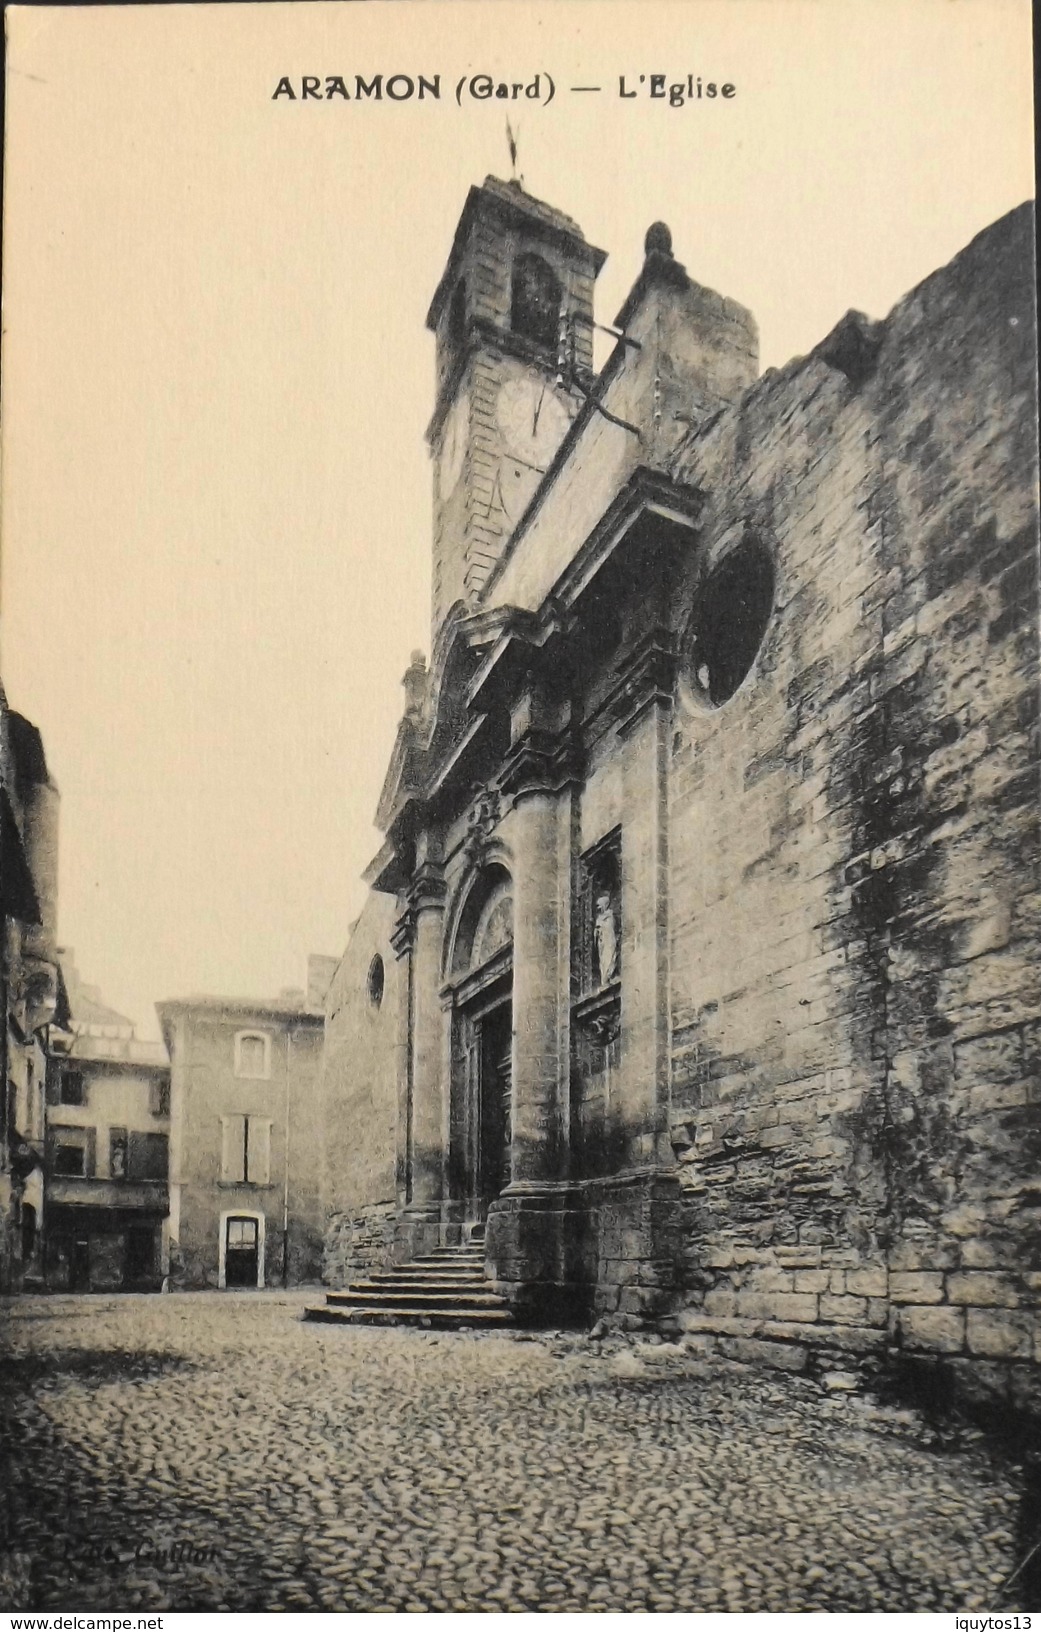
<point x="956" y="819"/>
<point x="359" y="1091"/>
<point x="358" y="1241"/>
<point x="306" y="1135"/>
<point x="853" y="936"/>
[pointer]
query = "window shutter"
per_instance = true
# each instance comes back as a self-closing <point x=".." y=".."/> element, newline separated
<point x="149" y="1156"/>
<point x="259" y="1150"/>
<point x="232" y="1148"/>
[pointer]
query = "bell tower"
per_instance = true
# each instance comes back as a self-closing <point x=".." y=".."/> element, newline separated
<point x="512" y="317"/>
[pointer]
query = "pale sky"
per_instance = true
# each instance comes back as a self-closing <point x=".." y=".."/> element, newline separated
<point x="216" y="499"/>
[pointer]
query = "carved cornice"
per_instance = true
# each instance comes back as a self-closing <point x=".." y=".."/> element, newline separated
<point x="540" y="762"/>
<point x="403" y="934"/>
<point x="402" y="778"/>
<point x="390" y="868"/>
<point x="646" y="679"/>
<point x="425" y="893"/>
<point x="461" y="990"/>
<point x="651" y="506"/>
<point x="600" y="1014"/>
<point x="428" y="888"/>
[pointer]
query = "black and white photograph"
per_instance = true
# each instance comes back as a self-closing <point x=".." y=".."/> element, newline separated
<point x="519" y="756"/>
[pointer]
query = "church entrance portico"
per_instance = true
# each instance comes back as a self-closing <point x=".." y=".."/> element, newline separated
<point x="480" y="1017"/>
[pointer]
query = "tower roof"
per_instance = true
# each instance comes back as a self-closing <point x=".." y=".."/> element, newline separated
<point x="513" y="206"/>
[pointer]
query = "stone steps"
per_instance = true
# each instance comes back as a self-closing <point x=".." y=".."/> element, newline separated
<point x="426" y="1271"/>
<point x="448" y="1320"/>
<point x="446" y="1289"/>
<point x="409" y="1296"/>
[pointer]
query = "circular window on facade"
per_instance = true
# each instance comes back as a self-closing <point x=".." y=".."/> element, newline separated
<point x="375" y="980"/>
<point x="730" y="619"/>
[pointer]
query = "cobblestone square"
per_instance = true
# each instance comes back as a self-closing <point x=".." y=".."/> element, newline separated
<point x="210" y="1451"/>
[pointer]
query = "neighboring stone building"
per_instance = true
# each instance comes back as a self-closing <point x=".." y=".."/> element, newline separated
<point x="108" y="1142"/>
<point x="705" y="928"/>
<point x="32" y="992"/>
<point x="360" y="1098"/>
<point x="246" y="1136"/>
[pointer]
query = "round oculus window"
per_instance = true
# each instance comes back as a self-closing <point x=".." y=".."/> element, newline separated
<point x="375" y="981"/>
<point x="730" y="619"/>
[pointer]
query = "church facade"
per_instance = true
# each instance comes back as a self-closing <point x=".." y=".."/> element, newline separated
<point x="700" y="960"/>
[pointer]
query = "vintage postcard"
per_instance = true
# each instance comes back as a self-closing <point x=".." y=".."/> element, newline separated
<point x="519" y="770"/>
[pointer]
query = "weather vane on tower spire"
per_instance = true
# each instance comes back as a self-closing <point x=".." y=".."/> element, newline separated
<point x="511" y="142"/>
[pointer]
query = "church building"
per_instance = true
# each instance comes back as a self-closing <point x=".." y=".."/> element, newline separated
<point x="698" y="981"/>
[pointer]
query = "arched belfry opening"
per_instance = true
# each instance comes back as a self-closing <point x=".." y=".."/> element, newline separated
<point x="535" y="299"/>
<point x="481" y="983"/>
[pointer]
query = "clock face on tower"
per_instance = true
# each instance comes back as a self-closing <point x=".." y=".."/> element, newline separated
<point x="532" y="420"/>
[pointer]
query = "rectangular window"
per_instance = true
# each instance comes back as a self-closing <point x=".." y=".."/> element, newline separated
<point x="252" y="1054"/>
<point x="245" y="1150"/>
<point x="149" y="1156"/>
<point x="242" y="1232"/>
<point x="117" y="1153"/>
<point x="159" y="1098"/>
<point x="70" y="1161"/>
<point x="72" y="1089"/>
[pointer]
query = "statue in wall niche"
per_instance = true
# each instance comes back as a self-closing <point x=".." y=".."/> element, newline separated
<point x="605" y="937"/>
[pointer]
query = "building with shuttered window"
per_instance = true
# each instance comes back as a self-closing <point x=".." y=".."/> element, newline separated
<point x="107" y="1155"/>
<point x="245" y="1137"/>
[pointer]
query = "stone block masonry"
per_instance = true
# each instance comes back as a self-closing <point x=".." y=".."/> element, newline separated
<point x="357" y="1242"/>
<point x="854" y="935"/>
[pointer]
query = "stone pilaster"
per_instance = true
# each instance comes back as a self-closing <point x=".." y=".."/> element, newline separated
<point x="421" y="1079"/>
<point x="539" y="1036"/>
<point x="401" y="941"/>
<point x="643" y="706"/>
<point x="428" y="1023"/>
<point x="538" y="777"/>
<point x="528" y="1225"/>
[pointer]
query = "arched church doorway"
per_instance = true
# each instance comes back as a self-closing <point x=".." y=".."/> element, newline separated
<point x="482" y="1044"/>
<point x="486" y="1042"/>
